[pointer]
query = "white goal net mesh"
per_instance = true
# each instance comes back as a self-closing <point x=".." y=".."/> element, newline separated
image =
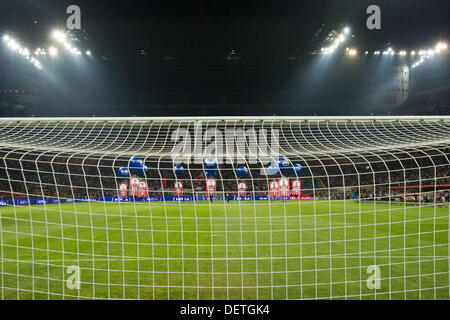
<point x="297" y="208"/>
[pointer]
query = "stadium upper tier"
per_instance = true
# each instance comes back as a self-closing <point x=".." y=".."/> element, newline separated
<point x="157" y="137"/>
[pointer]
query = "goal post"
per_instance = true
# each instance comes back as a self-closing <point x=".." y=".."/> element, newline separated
<point x="225" y="208"/>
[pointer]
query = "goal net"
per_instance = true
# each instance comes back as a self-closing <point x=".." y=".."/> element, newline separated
<point x="225" y="208"/>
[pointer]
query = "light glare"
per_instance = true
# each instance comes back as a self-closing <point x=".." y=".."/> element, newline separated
<point x="52" y="51"/>
<point x="352" y="52"/>
<point x="58" y="35"/>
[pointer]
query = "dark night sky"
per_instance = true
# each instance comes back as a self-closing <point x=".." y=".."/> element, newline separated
<point x="120" y="25"/>
<point x="187" y="42"/>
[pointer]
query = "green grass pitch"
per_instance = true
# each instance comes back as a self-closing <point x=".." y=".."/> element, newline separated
<point x="246" y="250"/>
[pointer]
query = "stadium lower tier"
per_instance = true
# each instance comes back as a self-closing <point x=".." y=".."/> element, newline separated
<point x="37" y="201"/>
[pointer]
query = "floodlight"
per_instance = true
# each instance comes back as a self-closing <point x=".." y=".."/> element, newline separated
<point x="13" y="45"/>
<point x="413" y="53"/>
<point x="88" y="52"/>
<point x="58" y="35"/>
<point x="5" y="37"/>
<point x="346" y="30"/>
<point x="440" y="46"/>
<point x="352" y="52"/>
<point x="52" y="51"/>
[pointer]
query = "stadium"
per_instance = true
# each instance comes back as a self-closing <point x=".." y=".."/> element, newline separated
<point x="114" y="188"/>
